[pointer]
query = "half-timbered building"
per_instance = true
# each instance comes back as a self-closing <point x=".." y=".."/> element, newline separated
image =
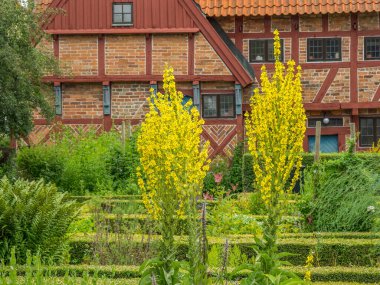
<point x="112" y="52"/>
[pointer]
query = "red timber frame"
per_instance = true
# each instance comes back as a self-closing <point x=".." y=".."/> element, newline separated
<point x="317" y="105"/>
<point x="239" y="74"/>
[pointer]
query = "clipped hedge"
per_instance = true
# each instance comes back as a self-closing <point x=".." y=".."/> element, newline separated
<point x="341" y="275"/>
<point x="370" y="159"/>
<point x="330" y="252"/>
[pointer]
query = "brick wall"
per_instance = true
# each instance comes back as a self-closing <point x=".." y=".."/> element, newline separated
<point x="368" y="80"/>
<point x="227" y="24"/>
<point x="207" y="61"/>
<point x="129" y="100"/>
<point x="339" y="90"/>
<point x="312" y="80"/>
<point x="253" y="24"/>
<point x="281" y="23"/>
<point x="368" y="21"/>
<point x="311" y="23"/>
<point x="78" y="55"/>
<point x="171" y="49"/>
<point x="339" y="22"/>
<point x="82" y="101"/>
<point x="125" y="55"/>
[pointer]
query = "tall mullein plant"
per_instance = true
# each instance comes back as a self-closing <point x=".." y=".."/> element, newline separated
<point x="173" y="160"/>
<point x="275" y="132"/>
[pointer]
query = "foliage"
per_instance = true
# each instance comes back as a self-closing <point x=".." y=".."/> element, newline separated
<point x="275" y="129"/>
<point x="235" y="171"/>
<point x="173" y="166"/>
<point x="375" y="147"/>
<point x="173" y="162"/>
<point x="248" y="176"/>
<point x="267" y="268"/>
<point x="82" y="161"/>
<point x="338" y="195"/>
<point x="22" y="67"/>
<point x="35" y="217"/>
<point x="227" y="218"/>
<point x="40" y="161"/>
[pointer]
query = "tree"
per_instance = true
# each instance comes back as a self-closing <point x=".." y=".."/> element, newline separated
<point x="22" y="67"/>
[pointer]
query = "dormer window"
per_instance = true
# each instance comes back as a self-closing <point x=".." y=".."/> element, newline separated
<point x="122" y="14"/>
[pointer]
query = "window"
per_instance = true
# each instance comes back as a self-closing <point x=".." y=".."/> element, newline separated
<point x="369" y="131"/>
<point x="262" y="51"/>
<point x="324" y="49"/>
<point x="122" y="14"/>
<point x="218" y="106"/>
<point x="372" y="48"/>
<point x="333" y="122"/>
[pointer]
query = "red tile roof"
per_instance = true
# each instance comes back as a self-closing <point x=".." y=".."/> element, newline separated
<point x="285" y="7"/>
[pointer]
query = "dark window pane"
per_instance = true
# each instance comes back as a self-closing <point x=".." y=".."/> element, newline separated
<point x="367" y="131"/>
<point x="227" y="106"/>
<point x="372" y="48"/>
<point x="257" y="50"/>
<point x="315" y="49"/>
<point x="210" y="106"/>
<point x="332" y="49"/>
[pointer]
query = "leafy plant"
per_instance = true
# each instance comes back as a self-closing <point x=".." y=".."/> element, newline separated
<point x="267" y="267"/>
<point x="35" y="217"/>
<point x="338" y="195"/>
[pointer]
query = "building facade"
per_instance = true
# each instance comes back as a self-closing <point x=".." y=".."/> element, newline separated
<point x="112" y="52"/>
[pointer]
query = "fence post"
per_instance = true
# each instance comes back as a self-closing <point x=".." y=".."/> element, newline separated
<point x="353" y="136"/>
<point x="123" y="136"/>
<point x="317" y="141"/>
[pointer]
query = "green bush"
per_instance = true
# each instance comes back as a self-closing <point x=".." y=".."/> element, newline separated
<point x="338" y="195"/>
<point x="235" y="171"/>
<point x="34" y="163"/>
<point x="34" y="216"/>
<point x="248" y="176"/>
<point x="83" y="162"/>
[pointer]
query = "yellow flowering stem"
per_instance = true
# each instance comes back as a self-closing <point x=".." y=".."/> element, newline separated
<point x="173" y="161"/>
<point x="275" y="132"/>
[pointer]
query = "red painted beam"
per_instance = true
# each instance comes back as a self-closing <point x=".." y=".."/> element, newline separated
<point x="326" y="85"/>
<point x="295" y="22"/>
<point x="123" y="31"/>
<point x="239" y="32"/>
<point x="138" y="78"/>
<point x="376" y="97"/>
<point x="56" y="46"/>
<point x="148" y="54"/>
<point x="354" y="59"/>
<point x="191" y="54"/>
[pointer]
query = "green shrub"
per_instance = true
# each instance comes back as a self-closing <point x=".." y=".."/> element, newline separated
<point x="338" y="195"/>
<point x="39" y="162"/>
<point x="34" y="216"/>
<point x="235" y="171"/>
<point x="248" y="176"/>
<point x="83" y="161"/>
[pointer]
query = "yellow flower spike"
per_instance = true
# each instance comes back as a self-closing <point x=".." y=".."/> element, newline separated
<point x="275" y="129"/>
<point x="171" y="154"/>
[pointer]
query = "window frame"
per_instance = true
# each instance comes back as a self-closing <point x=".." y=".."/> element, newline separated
<point x="376" y="136"/>
<point x="123" y="24"/>
<point x="365" y="48"/>
<point x="218" y="109"/>
<point x="266" y="50"/>
<point x="324" y="59"/>
<point x="332" y="124"/>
